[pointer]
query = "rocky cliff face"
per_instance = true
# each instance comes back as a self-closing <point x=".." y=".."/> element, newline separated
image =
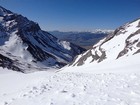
<point x="24" y="45"/>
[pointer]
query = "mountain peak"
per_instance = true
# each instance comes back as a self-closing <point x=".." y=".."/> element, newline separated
<point x="24" y="45"/>
<point x="4" y="11"/>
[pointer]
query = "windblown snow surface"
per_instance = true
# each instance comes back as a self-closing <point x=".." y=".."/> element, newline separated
<point x="85" y="85"/>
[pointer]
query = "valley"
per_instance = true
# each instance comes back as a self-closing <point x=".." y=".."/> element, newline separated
<point x="39" y="68"/>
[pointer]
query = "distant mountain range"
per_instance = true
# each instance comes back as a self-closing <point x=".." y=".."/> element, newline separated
<point x="84" y="39"/>
<point x="25" y="47"/>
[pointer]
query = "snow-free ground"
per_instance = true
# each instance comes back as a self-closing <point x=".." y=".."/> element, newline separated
<point x="69" y="88"/>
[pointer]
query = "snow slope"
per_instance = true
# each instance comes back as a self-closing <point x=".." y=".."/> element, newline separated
<point x="124" y="42"/>
<point x="43" y="88"/>
<point x="122" y="65"/>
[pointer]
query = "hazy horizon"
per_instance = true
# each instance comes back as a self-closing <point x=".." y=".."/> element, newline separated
<point x="76" y="15"/>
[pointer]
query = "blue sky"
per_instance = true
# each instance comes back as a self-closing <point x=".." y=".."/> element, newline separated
<point x="76" y="15"/>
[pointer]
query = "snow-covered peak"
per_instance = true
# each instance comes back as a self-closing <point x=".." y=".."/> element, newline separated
<point x="108" y="31"/>
<point x="123" y="42"/>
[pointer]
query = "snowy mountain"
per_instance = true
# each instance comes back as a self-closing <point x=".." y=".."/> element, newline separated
<point x="84" y="39"/>
<point x="112" y="75"/>
<point x="105" y="31"/>
<point x="23" y="45"/>
<point x="121" y="46"/>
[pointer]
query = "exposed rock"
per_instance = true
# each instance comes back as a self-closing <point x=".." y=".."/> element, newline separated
<point x="23" y="41"/>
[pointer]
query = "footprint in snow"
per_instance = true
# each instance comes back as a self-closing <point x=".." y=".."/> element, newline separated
<point x="133" y="76"/>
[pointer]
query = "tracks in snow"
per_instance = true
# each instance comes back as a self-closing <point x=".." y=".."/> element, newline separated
<point x="78" y="89"/>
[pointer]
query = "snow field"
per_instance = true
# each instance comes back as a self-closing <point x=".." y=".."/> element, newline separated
<point x="43" y="88"/>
